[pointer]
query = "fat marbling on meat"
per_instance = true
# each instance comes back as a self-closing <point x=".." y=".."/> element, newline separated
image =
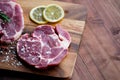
<point x="12" y="30"/>
<point x="47" y="46"/>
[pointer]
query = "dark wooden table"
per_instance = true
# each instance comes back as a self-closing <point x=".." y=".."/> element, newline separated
<point x="99" y="53"/>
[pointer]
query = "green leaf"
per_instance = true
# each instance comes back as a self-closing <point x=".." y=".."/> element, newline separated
<point x="4" y="17"/>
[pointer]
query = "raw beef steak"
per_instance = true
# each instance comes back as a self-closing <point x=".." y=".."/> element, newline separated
<point x="11" y="30"/>
<point x="46" y="46"/>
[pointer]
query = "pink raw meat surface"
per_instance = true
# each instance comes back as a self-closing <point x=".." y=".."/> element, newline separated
<point x="47" y="46"/>
<point x="12" y="30"/>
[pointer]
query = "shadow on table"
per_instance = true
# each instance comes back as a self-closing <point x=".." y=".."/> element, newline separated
<point x="13" y="75"/>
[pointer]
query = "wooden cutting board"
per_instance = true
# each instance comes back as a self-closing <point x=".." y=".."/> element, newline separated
<point x="9" y="60"/>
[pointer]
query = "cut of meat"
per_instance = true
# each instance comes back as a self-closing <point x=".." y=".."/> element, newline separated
<point x="12" y="30"/>
<point x="47" y="46"/>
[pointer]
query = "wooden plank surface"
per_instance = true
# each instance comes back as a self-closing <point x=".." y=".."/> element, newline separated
<point x="100" y="49"/>
<point x="99" y="53"/>
<point x="8" y="60"/>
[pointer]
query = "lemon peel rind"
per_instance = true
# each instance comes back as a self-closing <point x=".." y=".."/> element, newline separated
<point x="50" y="20"/>
<point x="31" y="15"/>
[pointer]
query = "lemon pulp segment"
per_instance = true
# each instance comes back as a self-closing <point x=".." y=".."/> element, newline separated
<point x="36" y="14"/>
<point x="53" y="13"/>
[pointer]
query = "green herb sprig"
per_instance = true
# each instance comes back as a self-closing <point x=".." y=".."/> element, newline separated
<point x="4" y="17"/>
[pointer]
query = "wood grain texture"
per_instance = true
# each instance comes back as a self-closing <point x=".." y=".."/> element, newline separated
<point x="74" y="27"/>
<point x="99" y="53"/>
<point x="79" y="11"/>
<point x="100" y="49"/>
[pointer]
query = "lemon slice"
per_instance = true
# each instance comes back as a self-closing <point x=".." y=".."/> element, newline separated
<point x="53" y="13"/>
<point x="36" y="15"/>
